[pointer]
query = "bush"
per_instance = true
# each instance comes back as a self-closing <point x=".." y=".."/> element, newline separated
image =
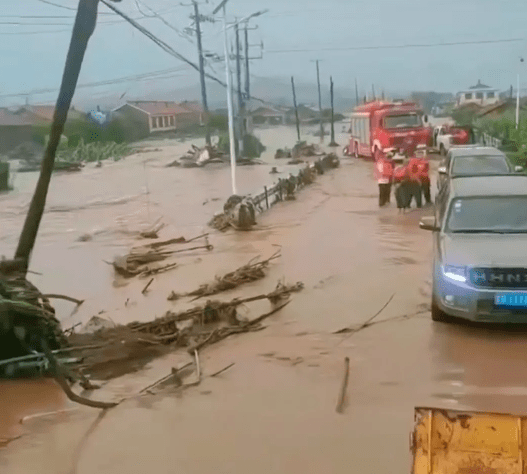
<point x="219" y="122"/>
<point x="253" y="146"/>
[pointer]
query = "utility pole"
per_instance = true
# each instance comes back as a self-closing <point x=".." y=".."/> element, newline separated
<point x="373" y="92"/>
<point x="356" y="93"/>
<point x="320" y="103"/>
<point x="85" y="21"/>
<point x="247" y="79"/>
<point x="296" y="109"/>
<point x="332" y="142"/>
<point x="222" y="6"/>
<point x="518" y="102"/>
<point x="229" y="94"/>
<point x="202" y="73"/>
<point x="240" y="96"/>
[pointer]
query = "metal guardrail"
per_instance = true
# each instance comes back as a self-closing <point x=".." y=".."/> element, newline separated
<point x="483" y="138"/>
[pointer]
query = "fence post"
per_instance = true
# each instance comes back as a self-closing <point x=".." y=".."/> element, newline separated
<point x="266" y="197"/>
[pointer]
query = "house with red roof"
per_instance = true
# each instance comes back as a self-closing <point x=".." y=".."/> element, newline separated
<point x="18" y="126"/>
<point x="159" y="116"/>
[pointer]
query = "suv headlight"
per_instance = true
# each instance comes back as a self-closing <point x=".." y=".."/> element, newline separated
<point x="456" y="273"/>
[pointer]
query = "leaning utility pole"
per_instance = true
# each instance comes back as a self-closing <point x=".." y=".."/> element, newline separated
<point x="296" y="109"/>
<point x="83" y="28"/>
<point x="332" y="142"/>
<point x="320" y="103"/>
<point x="202" y="73"/>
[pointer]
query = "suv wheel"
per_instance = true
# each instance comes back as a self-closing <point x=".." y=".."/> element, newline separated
<point x="438" y="315"/>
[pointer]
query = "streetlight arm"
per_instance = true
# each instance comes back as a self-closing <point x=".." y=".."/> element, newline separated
<point x="247" y="18"/>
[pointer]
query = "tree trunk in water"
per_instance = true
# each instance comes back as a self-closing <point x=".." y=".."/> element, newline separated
<point x="82" y="30"/>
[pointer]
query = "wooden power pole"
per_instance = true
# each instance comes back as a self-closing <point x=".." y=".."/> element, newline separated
<point x="296" y="109"/>
<point x="320" y="103"/>
<point x="332" y="143"/>
<point x="83" y="28"/>
<point x="197" y="19"/>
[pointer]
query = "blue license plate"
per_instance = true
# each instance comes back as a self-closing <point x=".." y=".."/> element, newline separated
<point x="511" y="300"/>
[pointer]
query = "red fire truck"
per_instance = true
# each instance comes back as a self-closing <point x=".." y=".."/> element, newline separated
<point x="376" y="126"/>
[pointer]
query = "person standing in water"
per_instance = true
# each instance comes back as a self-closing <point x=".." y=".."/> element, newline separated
<point x="384" y="176"/>
<point x="400" y="179"/>
<point x="414" y="181"/>
<point x="424" y="176"/>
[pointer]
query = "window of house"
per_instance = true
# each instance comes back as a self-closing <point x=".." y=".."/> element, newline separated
<point x="166" y="121"/>
<point x="154" y="122"/>
<point x="468" y="96"/>
<point x="490" y="95"/>
<point x="172" y="122"/>
<point x="160" y="122"/>
<point x="479" y="95"/>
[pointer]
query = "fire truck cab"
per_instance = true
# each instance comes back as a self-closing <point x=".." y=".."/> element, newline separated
<point x="377" y="126"/>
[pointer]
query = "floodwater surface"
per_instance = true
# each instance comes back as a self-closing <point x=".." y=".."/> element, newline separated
<point x="274" y="410"/>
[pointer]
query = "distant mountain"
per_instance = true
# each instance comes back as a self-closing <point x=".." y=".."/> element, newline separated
<point x="275" y="90"/>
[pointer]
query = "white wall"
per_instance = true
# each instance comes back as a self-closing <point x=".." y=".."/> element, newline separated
<point x="474" y="100"/>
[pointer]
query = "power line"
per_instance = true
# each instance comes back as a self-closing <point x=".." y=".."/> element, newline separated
<point x="402" y="46"/>
<point x="165" y="46"/>
<point x="158" y="16"/>
<point x="41" y="32"/>
<point x="135" y="77"/>
<point x="57" y="5"/>
<point x="113" y="22"/>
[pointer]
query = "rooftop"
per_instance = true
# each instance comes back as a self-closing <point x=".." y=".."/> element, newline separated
<point x="157" y="107"/>
<point x="46" y="112"/>
<point x="479" y="86"/>
<point x="496" y="185"/>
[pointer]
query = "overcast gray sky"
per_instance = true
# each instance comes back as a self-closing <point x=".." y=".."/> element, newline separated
<point x="34" y="38"/>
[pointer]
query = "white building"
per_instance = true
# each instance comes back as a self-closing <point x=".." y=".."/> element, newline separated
<point x="479" y="94"/>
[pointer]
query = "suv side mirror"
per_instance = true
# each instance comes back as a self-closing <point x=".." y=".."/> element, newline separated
<point x="441" y="170"/>
<point x="518" y="169"/>
<point x="429" y="223"/>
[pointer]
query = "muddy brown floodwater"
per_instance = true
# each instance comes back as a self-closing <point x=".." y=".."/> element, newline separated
<point x="274" y="410"/>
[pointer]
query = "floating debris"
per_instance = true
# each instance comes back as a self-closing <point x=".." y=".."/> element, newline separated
<point x="248" y="273"/>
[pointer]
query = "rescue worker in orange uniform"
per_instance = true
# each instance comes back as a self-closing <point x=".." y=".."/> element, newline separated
<point x="384" y="176"/>
<point x="424" y="177"/>
<point x="414" y="178"/>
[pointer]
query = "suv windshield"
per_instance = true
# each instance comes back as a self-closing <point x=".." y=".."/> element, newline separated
<point x="402" y="121"/>
<point x="500" y="214"/>
<point x="481" y="164"/>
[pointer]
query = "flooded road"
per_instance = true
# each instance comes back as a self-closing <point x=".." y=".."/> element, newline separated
<point x="275" y="409"/>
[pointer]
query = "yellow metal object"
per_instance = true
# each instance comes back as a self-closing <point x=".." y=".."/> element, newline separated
<point x="459" y="442"/>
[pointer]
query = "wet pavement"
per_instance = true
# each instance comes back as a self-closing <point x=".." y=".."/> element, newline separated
<point x="274" y="410"/>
